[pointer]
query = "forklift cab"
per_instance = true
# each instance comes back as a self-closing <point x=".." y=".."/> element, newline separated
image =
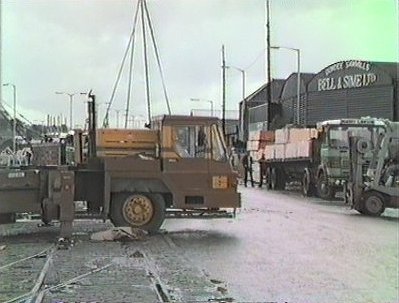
<point x="195" y="162"/>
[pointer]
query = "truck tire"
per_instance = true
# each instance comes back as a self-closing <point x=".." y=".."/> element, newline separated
<point x="373" y="204"/>
<point x="348" y="194"/>
<point x="324" y="190"/>
<point x="140" y="210"/>
<point x="308" y="188"/>
<point x="277" y="179"/>
<point x="268" y="182"/>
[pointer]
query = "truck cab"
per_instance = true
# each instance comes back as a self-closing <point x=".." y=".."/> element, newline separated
<point x="177" y="168"/>
<point x="135" y="177"/>
<point x="334" y="136"/>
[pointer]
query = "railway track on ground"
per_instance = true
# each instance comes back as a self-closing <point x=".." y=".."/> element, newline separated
<point x="23" y="277"/>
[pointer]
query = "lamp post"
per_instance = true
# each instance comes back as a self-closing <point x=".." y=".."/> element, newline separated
<point x="243" y="78"/>
<point x="242" y="71"/>
<point x="204" y="100"/>
<point x="14" y="125"/>
<point x="70" y="105"/>
<point x="117" y="111"/>
<point x="298" y="77"/>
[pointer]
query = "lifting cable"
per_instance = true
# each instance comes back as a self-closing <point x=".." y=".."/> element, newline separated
<point x="157" y="57"/>
<point x="147" y="82"/>
<point x="141" y="5"/>
<point x="131" y="66"/>
<point x="106" y="118"/>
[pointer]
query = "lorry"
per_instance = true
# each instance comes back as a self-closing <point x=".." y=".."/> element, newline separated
<point x="176" y="168"/>
<point x="318" y="157"/>
<point x="373" y="183"/>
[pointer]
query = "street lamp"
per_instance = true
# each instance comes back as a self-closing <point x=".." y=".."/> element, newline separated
<point x="14" y="125"/>
<point x="117" y="111"/>
<point x="204" y="100"/>
<point x="243" y="78"/>
<point x="70" y="105"/>
<point x="298" y="76"/>
<point x="243" y="98"/>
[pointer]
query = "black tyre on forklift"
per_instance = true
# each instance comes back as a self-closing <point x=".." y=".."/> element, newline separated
<point x="140" y="210"/>
<point x="308" y="187"/>
<point x="324" y="189"/>
<point x="372" y="204"/>
<point x="277" y="179"/>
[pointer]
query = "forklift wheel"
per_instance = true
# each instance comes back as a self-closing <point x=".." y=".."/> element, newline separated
<point x="140" y="210"/>
<point x="373" y="204"/>
<point x="324" y="190"/>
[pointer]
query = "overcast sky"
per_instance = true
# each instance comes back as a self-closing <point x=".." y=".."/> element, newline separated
<point x="76" y="45"/>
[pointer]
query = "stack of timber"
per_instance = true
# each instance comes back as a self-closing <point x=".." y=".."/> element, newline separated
<point x="126" y="142"/>
<point x="291" y="143"/>
<point x="257" y="142"/>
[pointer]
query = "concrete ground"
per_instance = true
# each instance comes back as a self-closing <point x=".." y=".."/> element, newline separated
<point x="280" y="248"/>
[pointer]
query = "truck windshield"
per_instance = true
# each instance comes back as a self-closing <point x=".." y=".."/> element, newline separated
<point x="192" y="141"/>
<point x="339" y="135"/>
<point x="200" y="141"/>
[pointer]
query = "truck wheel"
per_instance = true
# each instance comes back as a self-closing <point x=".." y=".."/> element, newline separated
<point x="139" y="210"/>
<point x="348" y="194"/>
<point x="324" y="190"/>
<point x="273" y="179"/>
<point x="373" y="204"/>
<point x="277" y="179"/>
<point x="268" y="181"/>
<point x="308" y="187"/>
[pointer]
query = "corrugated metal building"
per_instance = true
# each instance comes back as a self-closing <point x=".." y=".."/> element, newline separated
<point x="255" y="115"/>
<point x="288" y="98"/>
<point x="351" y="89"/>
<point x="345" y="89"/>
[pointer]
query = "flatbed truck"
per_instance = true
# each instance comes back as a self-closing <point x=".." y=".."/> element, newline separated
<point x="318" y="157"/>
<point x="135" y="178"/>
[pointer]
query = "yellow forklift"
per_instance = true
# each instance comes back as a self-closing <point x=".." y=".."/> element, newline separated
<point x="374" y="184"/>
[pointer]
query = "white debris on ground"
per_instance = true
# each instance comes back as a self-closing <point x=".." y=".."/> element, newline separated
<point x="119" y="233"/>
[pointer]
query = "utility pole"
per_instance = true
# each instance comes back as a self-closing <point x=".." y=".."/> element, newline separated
<point x="269" y="93"/>
<point x="70" y="95"/>
<point x="1" y="55"/>
<point x="223" y="91"/>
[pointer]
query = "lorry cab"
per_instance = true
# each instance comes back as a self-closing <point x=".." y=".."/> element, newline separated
<point x="180" y="164"/>
<point x="335" y="140"/>
<point x="195" y="162"/>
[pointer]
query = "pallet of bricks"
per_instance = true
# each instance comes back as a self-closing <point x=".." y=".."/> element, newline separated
<point x="257" y="142"/>
<point x="291" y="143"/>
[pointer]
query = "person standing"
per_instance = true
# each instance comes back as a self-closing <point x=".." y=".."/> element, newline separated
<point x="247" y="162"/>
<point x="262" y="170"/>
